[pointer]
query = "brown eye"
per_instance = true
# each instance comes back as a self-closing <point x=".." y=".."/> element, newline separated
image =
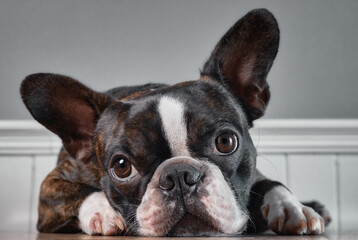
<point x="226" y="143"/>
<point x="122" y="168"/>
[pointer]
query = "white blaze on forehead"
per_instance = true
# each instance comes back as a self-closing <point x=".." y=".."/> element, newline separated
<point x="171" y="112"/>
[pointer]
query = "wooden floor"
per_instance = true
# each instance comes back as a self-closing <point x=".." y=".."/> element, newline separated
<point x="42" y="236"/>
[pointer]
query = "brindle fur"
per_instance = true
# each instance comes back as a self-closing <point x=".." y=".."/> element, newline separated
<point x="93" y="126"/>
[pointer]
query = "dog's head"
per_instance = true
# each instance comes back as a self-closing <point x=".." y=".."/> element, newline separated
<point x="174" y="160"/>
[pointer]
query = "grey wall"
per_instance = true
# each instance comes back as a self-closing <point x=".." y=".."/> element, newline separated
<point x="112" y="43"/>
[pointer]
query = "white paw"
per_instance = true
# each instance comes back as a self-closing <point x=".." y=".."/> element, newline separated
<point x="286" y="215"/>
<point x="97" y="217"/>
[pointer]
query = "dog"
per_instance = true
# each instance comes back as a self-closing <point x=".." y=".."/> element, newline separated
<point x="159" y="160"/>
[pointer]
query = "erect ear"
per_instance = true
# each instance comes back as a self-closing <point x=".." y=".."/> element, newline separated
<point x="66" y="107"/>
<point x="242" y="59"/>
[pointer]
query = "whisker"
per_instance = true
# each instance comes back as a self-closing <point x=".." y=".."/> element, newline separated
<point x="132" y="223"/>
<point x="249" y="191"/>
<point x="270" y="162"/>
<point x="259" y="137"/>
<point x="248" y="216"/>
<point x="130" y="205"/>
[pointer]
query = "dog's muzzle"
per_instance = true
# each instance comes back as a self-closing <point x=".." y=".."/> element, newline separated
<point x="189" y="197"/>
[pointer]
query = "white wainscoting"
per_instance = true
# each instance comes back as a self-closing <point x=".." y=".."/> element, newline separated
<point x="316" y="159"/>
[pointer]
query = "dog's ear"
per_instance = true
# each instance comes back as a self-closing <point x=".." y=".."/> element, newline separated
<point x="242" y="59"/>
<point x="66" y="107"/>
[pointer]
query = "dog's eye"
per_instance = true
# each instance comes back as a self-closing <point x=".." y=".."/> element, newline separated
<point x="122" y="169"/>
<point x="226" y="143"/>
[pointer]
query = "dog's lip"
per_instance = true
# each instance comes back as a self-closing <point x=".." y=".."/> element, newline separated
<point x="191" y="225"/>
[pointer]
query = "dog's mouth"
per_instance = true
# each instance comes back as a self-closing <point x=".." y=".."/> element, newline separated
<point x="207" y="208"/>
<point x="191" y="222"/>
<point x="190" y="225"/>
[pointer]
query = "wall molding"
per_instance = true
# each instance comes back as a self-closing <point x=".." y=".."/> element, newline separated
<point x="27" y="137"/>
<point x="306" y="135"/>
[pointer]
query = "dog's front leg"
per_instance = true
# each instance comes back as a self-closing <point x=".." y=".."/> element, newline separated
<point x="68" y="207"/>
<point x="273" y="206"/>
<point x="59" y="204"/>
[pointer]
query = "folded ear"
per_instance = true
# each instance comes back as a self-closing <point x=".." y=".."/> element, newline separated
<point x="242" y="59"/>
<point x="66" y="107"/>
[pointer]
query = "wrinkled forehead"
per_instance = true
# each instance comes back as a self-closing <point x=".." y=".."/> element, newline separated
<point x="172" y="113"/>
<point x="203" y="99"/>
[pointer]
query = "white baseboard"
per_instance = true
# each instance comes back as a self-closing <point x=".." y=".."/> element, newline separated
<point x="27" y="137"/>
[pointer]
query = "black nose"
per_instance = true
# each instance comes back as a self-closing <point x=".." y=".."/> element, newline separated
<point x="180" y="177"/>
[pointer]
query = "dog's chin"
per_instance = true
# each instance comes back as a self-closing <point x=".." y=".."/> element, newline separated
<point x="192" y="226"/>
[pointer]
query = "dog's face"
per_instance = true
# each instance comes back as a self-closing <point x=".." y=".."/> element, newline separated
<point x="178" y="160"/>
<point x="174" y="160"/>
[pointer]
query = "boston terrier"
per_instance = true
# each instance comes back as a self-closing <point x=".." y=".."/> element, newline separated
<point x="159" y="160"/>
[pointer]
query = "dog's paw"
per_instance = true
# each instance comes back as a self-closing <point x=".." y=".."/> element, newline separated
<point x="286" y="215"/>
<point x="97" y="217"/>
<point x="320" y="209"/>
